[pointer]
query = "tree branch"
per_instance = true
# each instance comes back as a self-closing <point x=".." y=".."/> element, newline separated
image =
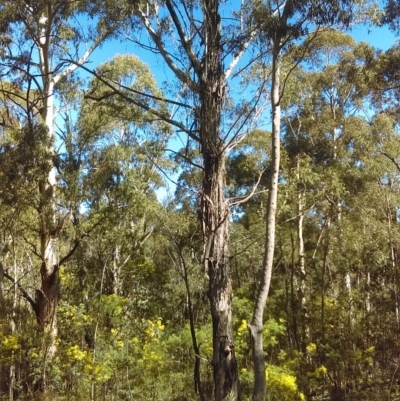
<point x="185" y="42"/>
<point x="74" y="65"/>
<point x="69" y="254"/>
<point x="165" y="54"/>
<point x="239" y="55"/>
<point x="392" y="159"/>
<point x="21" y="290"/>
<point x="185" y="158"/>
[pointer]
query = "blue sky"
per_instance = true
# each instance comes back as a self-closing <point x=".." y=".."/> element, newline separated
<point x="378" y="37"/>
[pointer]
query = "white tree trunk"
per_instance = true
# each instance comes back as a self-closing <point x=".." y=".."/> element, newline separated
<point x="256" y="326"/>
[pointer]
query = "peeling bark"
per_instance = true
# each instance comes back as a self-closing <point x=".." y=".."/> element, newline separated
<point x="215" y="209"/>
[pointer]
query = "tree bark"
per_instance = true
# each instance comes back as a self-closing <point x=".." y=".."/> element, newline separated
<point x="302" y="264"/>
<point x="13" y="326"/>
<point x="216" y="260"/>
<point x="48" y="295"/>
<point x="215" y="210"/>
<point x="256" y="326"/>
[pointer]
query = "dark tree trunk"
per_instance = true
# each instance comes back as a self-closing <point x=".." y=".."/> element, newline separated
<point x="47" y="300"/>
<point x="216" y="259"/>
<point x="215" y="208"/>
<point x="204" y="76"/>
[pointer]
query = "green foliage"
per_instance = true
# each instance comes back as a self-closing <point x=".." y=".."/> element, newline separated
<point x="24" y="162"/>
<point x="124" y="330"/>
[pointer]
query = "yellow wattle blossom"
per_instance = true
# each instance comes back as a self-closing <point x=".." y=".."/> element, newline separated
<point x="370" y="350"/>
<point x="154" y="328"/>
<point x="311" y="348"/>
<point x="66" y="277"/>
<point x="242" y="328"/>
<point x="100" y="373"/>
<point x="76" y="353"/>
<point x="10" y="342"/>
<point x="321" y="371"/>
<point x="282" y="384"/>
<point x="88" y="368"/>
<point x="33" y="354"/>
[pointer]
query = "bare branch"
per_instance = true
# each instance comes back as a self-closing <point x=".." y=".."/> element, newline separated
<point x="161" y="99"/>
<point x="74" y="65"/>
<point x="239" y="55"/>
<point x="234" y="141"/>
<point x="185" y="158"/>
<point x="247" y="246"/>
<point x="185" y="42"/>
<point x="69" y="254"/>
<point x="392" y="159"/>
<point x="250" y="195"/>
<point x="182" y="76"/>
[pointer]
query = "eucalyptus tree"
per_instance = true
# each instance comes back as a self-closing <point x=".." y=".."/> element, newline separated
<point x="44" y="42"/>
<point x="107" y="178"/>
<point x="196" y="39"/>
<point x="280" y="24"/>
<point x="390" y="14"/>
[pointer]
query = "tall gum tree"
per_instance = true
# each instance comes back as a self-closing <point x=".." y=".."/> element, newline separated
<point x="43" y="42"/>
<point x="194" y="40"/>
<point x="281" y="23"/>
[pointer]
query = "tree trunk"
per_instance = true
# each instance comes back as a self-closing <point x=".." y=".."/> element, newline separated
<point x="47" y="296"/>
<point x="323" y="278"/>
<point x="302" y="264"/>
<point x="13" y="327"/>
<point x="256" y="326"/>
<point x="204" y="76"/>
<point x="216" y="259"/>
<point x="215" y="208"/>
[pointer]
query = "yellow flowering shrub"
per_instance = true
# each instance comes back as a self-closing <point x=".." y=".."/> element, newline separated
<point x="242" y="329"/>
<point x="282" y="385"/>
<point x="154" y="329"/>
<point x="10" y="343"/>
<point x="320" y="371"/>
<point x="311" y="348"/>
<point x="75" y="353"/>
